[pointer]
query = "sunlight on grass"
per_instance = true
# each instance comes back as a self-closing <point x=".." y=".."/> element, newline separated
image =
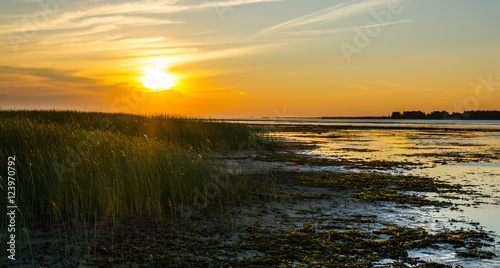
<point x="76" y="165"/>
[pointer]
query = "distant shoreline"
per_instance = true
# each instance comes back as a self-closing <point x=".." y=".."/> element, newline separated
<point x="372" y="117"/>
<point x="361" y="117"/>
<point x="415" y="115"/>
<point x="326" y="125"/>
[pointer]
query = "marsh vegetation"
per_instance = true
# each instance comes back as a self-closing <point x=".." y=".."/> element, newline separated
<point x="75" y="169"/>
<point x="109" y="190"/>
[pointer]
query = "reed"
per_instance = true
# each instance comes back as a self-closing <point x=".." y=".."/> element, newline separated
<point x="205" y="134"/>
<point x="72" y="165"/>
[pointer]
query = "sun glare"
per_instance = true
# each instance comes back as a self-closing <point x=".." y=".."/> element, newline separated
<point x="157" y="79"/>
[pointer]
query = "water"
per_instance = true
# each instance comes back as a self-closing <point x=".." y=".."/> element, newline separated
<point x="465" y="124"/>
<point x="458" y="152"/>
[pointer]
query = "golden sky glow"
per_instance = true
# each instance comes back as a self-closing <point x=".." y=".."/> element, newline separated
<point x="243" y="58"/>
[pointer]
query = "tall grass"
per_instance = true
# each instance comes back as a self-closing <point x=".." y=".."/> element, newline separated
<point x="187" y="132"/>
<point x="72" y="165"/>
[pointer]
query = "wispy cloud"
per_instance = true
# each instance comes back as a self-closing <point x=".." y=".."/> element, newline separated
<point x="330" y="14"/>
<point x="223" y="53"/>
<point x="101" y="13"/>
<point x="76" y="24"/>
<point x="107" y="23"/>
<point x="152" y="7"/>
<point x="361" y="87"/>
<point x="44" y="82"/>
<point x="47" y="73"/>
<point x="342" y="30"/>
<point x="108" y="42"/>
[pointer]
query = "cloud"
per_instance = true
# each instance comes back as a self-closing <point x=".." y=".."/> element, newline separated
<point x="98" y="12"/>
<point x="239" y="92"/>
<point x="107" y="27"/>
<point x="330" y="14"/>
<point x="342" y="30"/>
<point x="67" y="102"/>
<point x="47" y="73"/>
<point x="103" y="45"/>
<point x="222" y="53"/>
<point x="361" y="87"/>
<point x="83" y="23"/>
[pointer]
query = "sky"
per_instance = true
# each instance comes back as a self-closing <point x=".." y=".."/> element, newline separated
<point x="251" y="58"/>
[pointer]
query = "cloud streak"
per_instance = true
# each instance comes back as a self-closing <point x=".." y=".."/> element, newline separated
<point x="47" y="73"/>
<point x="343" y="30"/>
<point x="330" y="14"/>
<point x="117" y="14"/>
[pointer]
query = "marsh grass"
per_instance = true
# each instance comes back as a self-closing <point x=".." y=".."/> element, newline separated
<point x="205" y="134"/>
<point x="75" y="168"/>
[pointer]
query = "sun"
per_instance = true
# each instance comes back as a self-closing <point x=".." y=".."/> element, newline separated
<point x="157" y="79"/>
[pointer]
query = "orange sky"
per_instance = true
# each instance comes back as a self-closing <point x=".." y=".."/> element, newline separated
<point x="251" y="58"/>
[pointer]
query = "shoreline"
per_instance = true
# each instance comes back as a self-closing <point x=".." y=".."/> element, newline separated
<point x="306" y="208"/>
<point x="294" y="209"/>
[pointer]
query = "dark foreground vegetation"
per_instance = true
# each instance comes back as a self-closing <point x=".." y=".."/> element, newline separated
<point x="74" y="169"/>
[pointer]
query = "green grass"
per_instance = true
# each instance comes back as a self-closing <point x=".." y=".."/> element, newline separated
<point x="76" y="170"/>
<point x="187" y="132"/>
<point x="75" y="165"/>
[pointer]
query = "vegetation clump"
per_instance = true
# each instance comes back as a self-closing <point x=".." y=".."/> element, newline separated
<point x="77" y="168"/>
<point x="400" y="198"/>
<point x="304" y="196"/>
<point x="347" y="248"/>
<point x="352" y="247"/>
<point x="371" y="187"/>
<point x="316" y="161"/>
<point x="75" y="163"/>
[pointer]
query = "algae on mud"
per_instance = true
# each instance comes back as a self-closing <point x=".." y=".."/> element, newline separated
<point x="370" y="187"/>
<point x="325" y="242"/>
<point x="315" y="161"/>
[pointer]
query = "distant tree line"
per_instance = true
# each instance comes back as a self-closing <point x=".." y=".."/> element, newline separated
<point x="467" y="115"/>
